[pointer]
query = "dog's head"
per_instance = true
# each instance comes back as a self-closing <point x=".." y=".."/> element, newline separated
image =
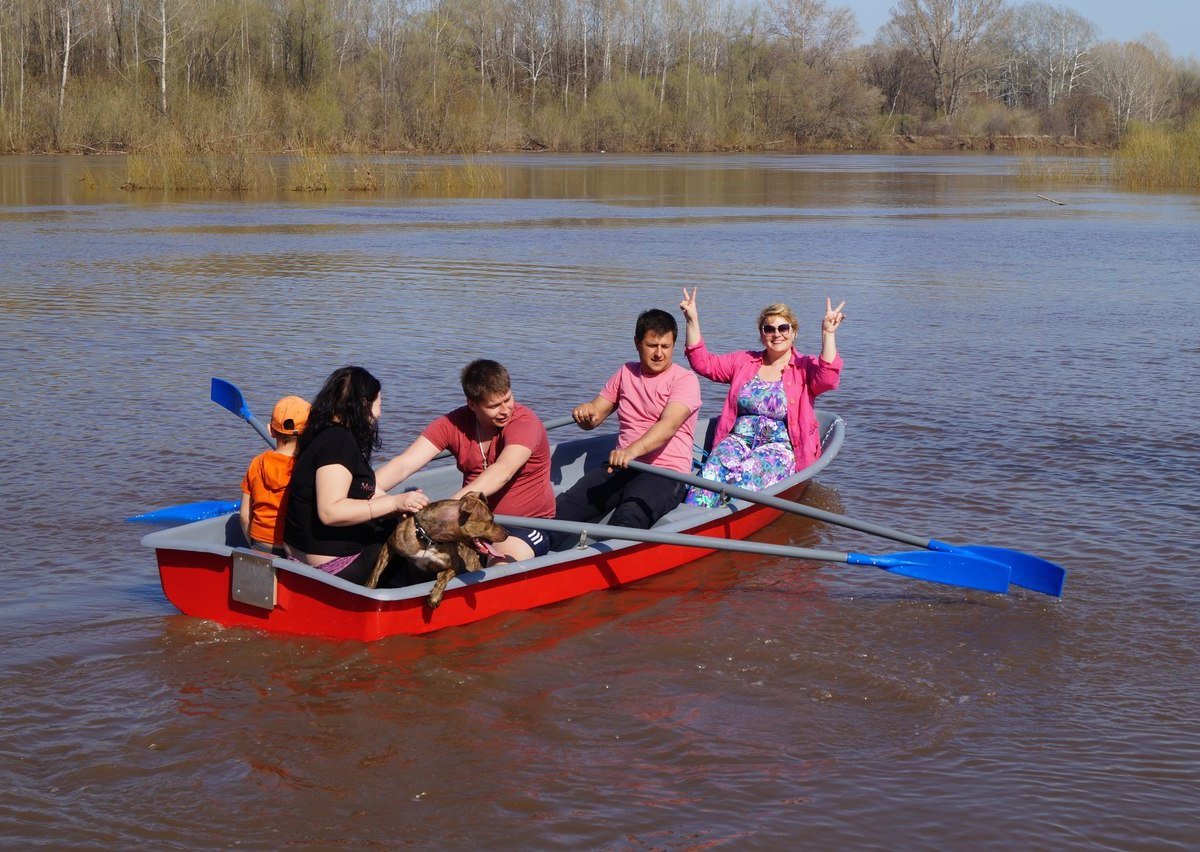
<point x="468" y="520"/>
<point x="477" y="520"/>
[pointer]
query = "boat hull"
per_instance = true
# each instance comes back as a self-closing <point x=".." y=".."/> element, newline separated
<point x="199" y="567"/>
<point x="200" y="584"/>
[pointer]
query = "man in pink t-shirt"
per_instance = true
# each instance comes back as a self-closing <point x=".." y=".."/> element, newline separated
<point x="501" y="448"/>
<point x="657" y="402"/>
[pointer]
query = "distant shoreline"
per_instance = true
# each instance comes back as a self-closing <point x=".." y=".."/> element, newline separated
<point x="897" y="143"/>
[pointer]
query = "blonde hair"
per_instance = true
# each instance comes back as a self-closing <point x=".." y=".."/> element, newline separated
<point x="777" y="310"/>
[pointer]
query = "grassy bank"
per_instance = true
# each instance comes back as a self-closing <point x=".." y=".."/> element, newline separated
<point x="1149" y="157"/>
<point x="1156" y="157"/>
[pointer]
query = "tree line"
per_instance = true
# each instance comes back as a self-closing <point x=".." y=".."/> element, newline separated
<point x="477" y="75"/>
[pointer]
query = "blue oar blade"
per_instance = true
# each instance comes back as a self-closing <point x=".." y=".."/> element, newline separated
<point x="952" y="569"/>
<point x="1028" y="571"/>
<point x="186" y="513"/>
<point x="229" y="397"/>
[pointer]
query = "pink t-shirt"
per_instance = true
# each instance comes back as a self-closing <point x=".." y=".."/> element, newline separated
<point x="529" y="493"/>
<point x="640" y="402"/>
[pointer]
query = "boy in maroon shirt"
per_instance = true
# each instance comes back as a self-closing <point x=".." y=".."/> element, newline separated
<point x="501" y="448"/>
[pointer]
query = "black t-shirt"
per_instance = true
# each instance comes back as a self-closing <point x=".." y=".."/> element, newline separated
<point x="303" y="529"/>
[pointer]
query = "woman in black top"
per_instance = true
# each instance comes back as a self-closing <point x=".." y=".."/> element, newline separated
<point x="335" y="519"/>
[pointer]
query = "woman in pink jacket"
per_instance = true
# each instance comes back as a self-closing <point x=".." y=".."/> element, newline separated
<point x="768" y="429"/>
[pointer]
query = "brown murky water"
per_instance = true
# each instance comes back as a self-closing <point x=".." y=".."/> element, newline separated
<point x="1017" y="373"/>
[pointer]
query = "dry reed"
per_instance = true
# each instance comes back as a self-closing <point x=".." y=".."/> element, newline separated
<point x="401" y="178"/>
<point x="1060" y="170"/>
<point x="309" y="173"/>
<point x="1157" y="157"/>
<point x="169" y="164"/>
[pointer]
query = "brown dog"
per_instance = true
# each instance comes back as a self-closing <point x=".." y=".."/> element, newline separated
<point x="443" y="539"/>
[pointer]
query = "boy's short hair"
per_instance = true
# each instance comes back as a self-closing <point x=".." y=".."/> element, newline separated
<point x="657" y="321"/>
<point x="483" y="378"/>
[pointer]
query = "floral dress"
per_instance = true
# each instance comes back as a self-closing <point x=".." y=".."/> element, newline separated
<point x="757" y="451"/>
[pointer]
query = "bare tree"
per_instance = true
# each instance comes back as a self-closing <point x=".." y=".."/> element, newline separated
<point x="1135" y="77"/>
<point x="950" y="37"/>
<point x="482" y="22"/>
<point x="1053" y="44"/>
<point x="72" y="31"/>
<point x="812" y="29"/>
<point x="531" y="44"/>
<point x="3" y="81"/>
<point x="67" y="14"/>
<point x="169" y="33"/>
<point x="162" y="56"/>
<point x="900" y="76"/>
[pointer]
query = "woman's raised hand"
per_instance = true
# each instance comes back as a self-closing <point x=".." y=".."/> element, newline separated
<point x="833" y="316"/>
<point x="688" y="305"/>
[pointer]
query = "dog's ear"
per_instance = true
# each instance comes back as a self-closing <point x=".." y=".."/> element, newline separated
<point x="468" y="508"/>
<point x="472" y="507"/>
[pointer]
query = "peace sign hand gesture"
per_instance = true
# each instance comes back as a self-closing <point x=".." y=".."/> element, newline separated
<point x="833" y="316"/>
<point x="688" y="305"/>
<point x="691" y="315"/>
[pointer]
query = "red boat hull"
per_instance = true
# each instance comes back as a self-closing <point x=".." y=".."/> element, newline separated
<point x="199" y="584"/>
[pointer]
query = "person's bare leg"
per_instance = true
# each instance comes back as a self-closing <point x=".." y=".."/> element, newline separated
<point x="512" y="549"/>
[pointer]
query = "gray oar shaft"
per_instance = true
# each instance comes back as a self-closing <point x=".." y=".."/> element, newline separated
<point x="737" y="493"/>
<point x="260" y="429"/>
<point x="601" y="532"/>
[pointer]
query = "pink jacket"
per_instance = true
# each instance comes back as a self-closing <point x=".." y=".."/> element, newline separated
<point x="804" y="379"/>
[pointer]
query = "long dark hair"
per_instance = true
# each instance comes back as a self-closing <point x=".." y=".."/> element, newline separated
<point x="346" y="400"/>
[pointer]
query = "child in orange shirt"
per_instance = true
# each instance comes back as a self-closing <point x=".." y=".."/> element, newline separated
<point x="264" y="487"/>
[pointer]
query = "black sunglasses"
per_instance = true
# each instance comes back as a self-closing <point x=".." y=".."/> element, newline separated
<point x="782" y="328"/>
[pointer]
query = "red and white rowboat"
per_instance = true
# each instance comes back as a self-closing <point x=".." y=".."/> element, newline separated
<point x="207" y="572"/>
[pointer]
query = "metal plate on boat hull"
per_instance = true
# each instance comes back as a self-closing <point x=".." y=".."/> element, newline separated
<point x="252" y="580"/>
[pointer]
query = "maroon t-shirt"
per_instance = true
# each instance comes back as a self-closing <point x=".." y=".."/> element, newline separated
<point x="528" y="493"/>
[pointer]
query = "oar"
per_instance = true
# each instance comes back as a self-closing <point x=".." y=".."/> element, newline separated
<point x="227" y="395"/>
<point x="185" y="513"/>
<point x="1026" y="570"/>
<point x="950" y="568"/>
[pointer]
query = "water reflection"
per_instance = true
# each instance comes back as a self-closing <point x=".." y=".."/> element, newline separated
<point x="691" y="181"/>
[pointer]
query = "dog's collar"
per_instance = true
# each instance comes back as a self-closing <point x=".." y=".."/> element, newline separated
<point x="421" y="534"/>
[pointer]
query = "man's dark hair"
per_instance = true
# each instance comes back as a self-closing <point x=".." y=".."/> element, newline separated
<point x="657" y="321"/>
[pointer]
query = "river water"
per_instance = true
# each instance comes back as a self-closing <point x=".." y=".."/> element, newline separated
<point x="1018" y="373"/>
